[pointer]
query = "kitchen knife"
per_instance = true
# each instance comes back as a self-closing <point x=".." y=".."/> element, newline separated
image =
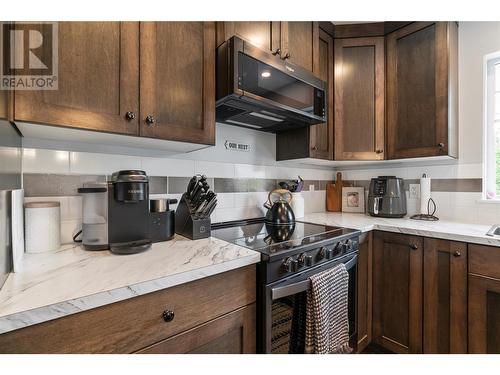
<point x="208" y="208"/>
<point x="195" y="190"/>
<point x="211" y="209"/>
<point x="191" y="184"/>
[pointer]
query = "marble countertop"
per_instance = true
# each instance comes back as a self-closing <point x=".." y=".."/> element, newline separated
<point x="70" y="280"/>
<point x="449" y="230"/>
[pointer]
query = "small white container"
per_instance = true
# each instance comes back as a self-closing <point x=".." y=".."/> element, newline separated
<point x="297" y="205"/>
<point x="42" y="226"/>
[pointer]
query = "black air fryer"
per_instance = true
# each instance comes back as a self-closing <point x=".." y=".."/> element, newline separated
<point x="128" y="212"/>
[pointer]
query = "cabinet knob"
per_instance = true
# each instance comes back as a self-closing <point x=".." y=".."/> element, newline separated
<point x="130" y="115"/>
<point x="286" y="57"/>
<point x="168" y="315"/>
<point x="441" y="145"/>
<point x="457" y="253"/>
<point x="276" y="52"/>
<point x="314" y="148"/>
<point x="150" y="120"/>
<point x="413" y="246"/>
<point x="379" y="151"/>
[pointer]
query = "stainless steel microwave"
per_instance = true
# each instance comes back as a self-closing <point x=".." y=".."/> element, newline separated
<point x="258" y="90"/>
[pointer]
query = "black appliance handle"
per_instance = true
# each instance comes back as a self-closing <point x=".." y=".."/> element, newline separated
<point x="92" y="190"/>
<point x="302" y="286"/>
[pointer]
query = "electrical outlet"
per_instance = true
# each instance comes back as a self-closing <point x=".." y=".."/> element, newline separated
<point x="311" y="187"/>
<point x="414" y="191"/>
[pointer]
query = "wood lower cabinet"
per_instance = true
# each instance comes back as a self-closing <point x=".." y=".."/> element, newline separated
<point x="208" y="314"/>
<point x="445" y="297"/>
<point x="178" y="81"/>
<point x="359" y="98"/>
<point x="422" y="90"/>
<point x="233" y="333"/>
<point x="397" y="292"/>
<point x="364" y="291"/>
<point x="98" y="80"/>
<point x="484" y="299"/>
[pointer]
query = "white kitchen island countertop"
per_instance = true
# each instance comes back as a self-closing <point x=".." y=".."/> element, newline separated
<point x="70" y="280"/>
<point x="448" y="230"/>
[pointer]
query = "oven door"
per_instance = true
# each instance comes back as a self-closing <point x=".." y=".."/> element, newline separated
<point x="283" y="310"/>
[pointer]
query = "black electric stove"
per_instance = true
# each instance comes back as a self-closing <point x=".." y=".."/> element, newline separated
<point x="291" y="254"/>
<point x="289" y="248"/>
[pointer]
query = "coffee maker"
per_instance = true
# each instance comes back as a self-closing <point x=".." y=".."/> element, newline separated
<point x="116" y="213"/>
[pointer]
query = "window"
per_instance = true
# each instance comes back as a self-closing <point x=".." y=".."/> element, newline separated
<point x="492" y="127"/>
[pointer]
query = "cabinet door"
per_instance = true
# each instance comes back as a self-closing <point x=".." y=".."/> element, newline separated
<point x="445" y="296"/>
<point x="299" y="43"/>
<point x="233" y="333"/>
<point x="359" y="99"/>
<point x="364" y="295"/>
<point x="98" y="80"/>
<point x="3" y="104"/>
<point x="263" y="34"/>
<point x="321" y="136"/>
<point x="177" y="92"/>
<point x="484" y="314"/>
<point x="421" y="69"/>
<point x="397" y="292"/>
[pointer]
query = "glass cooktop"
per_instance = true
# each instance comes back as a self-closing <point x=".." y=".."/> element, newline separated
<point x="256" y="235"/>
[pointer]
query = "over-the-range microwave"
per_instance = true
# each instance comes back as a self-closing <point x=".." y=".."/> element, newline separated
<point x="258" y="90"/>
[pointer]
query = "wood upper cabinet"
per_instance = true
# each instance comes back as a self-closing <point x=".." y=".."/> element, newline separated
<point x="397" y="292"/>
<point x="484" y="299"/>
<point x="445" y="296"/>
<point x="364" y="291"/>
<point x="3" y="104"/>
<point x="422" y="90"/>
<point x="263" y="34"/>
<point x="233" y="333"/>
<point x="321" y="136"/>
<point x="177" y="86"/>
<point x="98" y="80"/>
<point x="316" y="141"/>
<point x="359" y="98"/>
<point x="300" y="43"/>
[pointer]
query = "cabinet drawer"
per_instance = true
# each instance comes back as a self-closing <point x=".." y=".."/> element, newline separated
<point x="484" y="260"/>
<point x="233" y="333"/>
<point x="130" y="325"/>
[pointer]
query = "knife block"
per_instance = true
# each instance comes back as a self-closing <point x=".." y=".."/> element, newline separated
<point x="187" y="225"/>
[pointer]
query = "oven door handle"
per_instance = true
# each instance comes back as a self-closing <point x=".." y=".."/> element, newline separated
<point x="302" y="286"/>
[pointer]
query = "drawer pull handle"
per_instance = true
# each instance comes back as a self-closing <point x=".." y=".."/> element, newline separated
<point x="413" y="246"/>
<point x="457" y="253"/>
<point x="168" y="315"/>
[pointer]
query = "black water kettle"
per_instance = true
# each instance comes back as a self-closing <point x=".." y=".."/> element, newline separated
<point x="278" y="207"/>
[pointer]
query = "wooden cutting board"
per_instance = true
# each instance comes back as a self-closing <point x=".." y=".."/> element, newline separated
<point x="334" y="195"/>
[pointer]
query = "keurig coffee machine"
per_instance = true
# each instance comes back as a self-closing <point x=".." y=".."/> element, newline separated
<point x="116" y="215"/>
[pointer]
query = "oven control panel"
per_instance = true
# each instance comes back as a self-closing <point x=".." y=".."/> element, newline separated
<point x="313" y="257"/>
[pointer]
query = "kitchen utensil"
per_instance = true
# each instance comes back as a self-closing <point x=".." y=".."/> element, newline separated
<point x="298" y="204"/>
<point x="279" y="211"/>
<point x="43" y="226"/>
<point x="294" y="186"/>
<point x="334" y="194"/>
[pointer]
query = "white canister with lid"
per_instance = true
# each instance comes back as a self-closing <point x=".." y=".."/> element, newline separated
<point x="297" y="205"/>
<point x="42" y="226"/>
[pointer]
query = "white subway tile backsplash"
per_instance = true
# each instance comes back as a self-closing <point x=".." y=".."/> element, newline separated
<point x="168" y="167"/>
<point x="92" y="163"/>
<point x="237" y="213"/>
<point x="249" y="171"/>
<point x="225" y="200"/>
<point x="69" y="228"/>
<point x="45" y="161"/>
<point x="256" y="199"/>
<point x="214" y="169"/>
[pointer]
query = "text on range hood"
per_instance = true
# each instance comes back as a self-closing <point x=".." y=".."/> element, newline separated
<point x="260" y="91"/>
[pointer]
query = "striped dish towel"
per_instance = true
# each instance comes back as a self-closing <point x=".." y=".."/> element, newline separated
<point x="327" y="320"/>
